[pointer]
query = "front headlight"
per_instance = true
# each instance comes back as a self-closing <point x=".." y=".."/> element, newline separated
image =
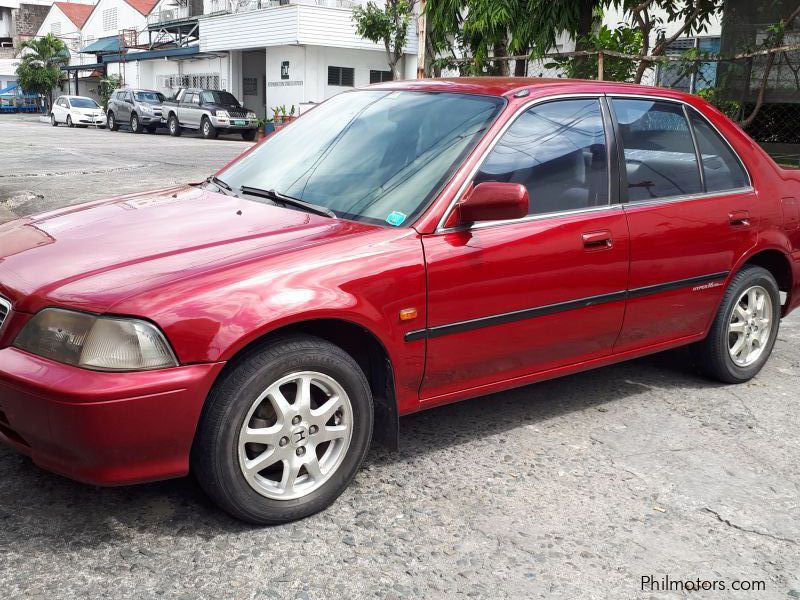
<point x="96" y="342"/>
<point x="147" y="109"/>
<point x="251" y="115"/>
<point x="221" y="113"/>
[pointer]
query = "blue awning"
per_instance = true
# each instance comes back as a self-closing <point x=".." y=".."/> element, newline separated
<point x="151" y="54"/>
<point x="11" y="88"/>
<point x="103" y="45"/>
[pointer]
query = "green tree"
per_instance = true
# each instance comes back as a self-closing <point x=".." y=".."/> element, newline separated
<point x="387" y="25"/>
<point x="479" y="30"/>
<point x="108" y="84"/>
<point x="39" y="70"/>
<point x="626" y="40"/>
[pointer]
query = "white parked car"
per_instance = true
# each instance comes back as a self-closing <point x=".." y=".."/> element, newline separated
<point x="77" y="111"/>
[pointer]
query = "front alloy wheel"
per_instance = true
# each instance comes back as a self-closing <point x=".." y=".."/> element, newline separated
<point x="284" y="431"/>
<point x="53" y="121"/>
<point x="173" y="126"/>
<point x="290" y="445"/>
<point x="69" y="121"/>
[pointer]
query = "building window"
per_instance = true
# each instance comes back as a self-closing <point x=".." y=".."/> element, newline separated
<point x="55" y="28"/>
<point x="697" y="76"/>
<point x="379" y="76"/>
<point x="343" y="76"/>
<point x="110" y="19"/>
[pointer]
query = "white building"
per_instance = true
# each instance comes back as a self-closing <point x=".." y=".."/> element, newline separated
<point x="268" y="53"/>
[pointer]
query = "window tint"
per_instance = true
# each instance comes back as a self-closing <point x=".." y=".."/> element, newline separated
<point x="659" y="152"/>
<point x="83" y="103"/>
<point x="558" y="151"/>
<point x="721" y="167"/>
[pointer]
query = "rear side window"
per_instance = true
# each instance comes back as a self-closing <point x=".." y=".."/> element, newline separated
<point x="558" y="151"/>
<point x="660" y="159"/>
<point x="721" y="167"/>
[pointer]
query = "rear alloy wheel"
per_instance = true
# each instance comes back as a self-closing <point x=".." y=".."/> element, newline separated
<point x="112" y="122"/>
<point x="136" y="124"/>
<point x="284" y="433"/>
<point x="745" y="329"/>
<point x="173" y="126"/>
<point x="69" y="121"/>
<point x="53" y="121"/>
<point x="208" y="130"/>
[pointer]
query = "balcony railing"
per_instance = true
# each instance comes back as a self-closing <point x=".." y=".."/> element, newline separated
<point x="169" y="14"/>
<point x="239" y="6"/>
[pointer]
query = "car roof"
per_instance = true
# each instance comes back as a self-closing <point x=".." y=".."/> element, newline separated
<point x="507" y="86"/>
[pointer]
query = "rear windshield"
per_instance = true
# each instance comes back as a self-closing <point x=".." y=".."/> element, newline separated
<point x="224" y="98"/>
<point x="149" y="97"/>
<point x="83" y="103"/>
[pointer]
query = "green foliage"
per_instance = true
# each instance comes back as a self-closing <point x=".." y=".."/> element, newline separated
<point x="108" y="84"/>
<point x="39" y="70"/>
<point x="386" y="25"/>
<point x="478" y="28"/>
<point x="730" y="107"/>
<point x="627" y="40"/>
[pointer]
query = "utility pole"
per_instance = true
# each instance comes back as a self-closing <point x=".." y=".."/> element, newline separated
<point x="422" y="37"/>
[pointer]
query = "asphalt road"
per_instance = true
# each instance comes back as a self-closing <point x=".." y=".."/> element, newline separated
<point x="573" y="488"/>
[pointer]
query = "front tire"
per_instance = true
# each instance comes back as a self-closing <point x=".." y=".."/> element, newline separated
<point x="69" y="121"/>
<point x="53" y="121"/>
<point x="249" y="135"/>
<point x="112" y="122"/>
<point x="744" y="331"/>
<point x="208" y="130"/>
<point x="173" y="126"/>
<point x="136" y="124"/>
<point x="284" y="432"/>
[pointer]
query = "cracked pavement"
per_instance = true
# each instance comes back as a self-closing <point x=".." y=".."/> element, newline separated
<point x="571" y="488"/>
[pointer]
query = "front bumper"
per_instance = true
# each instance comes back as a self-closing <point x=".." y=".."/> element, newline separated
<point x="151" y="119"/>
<point x="102" y="428"/>
<point x="84" y="120"/>
<point x="233" y="123"/>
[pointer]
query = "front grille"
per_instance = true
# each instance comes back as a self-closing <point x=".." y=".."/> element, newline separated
<point x="238" y="114"/>
<point x="5" y="308"/>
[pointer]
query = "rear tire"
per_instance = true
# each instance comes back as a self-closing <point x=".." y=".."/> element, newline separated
<point x="173" y="126"/>
<point x="208" y="130"/>
<point x="249" y="135"/>
<point x="319" y="449"/>
<point x="744" y="331"/>
<point x="112" y="122"/>
<point x="136" y="124"/>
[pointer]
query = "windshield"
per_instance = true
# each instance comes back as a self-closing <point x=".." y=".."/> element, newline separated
<point x="83" y="103"/>
<point x="224" y="98"/>
<point x="372" y="155"/>
<point x="149" y="97"/>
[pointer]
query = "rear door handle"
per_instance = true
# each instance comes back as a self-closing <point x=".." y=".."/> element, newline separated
<point x="739" y="218"/>
<point x="597" y="240"/>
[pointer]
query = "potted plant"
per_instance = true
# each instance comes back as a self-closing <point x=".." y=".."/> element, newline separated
<point x="290" y="117"/>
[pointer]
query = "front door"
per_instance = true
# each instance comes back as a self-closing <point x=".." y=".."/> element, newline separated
<point x="510" y="299"/>
<point x="689" y="221"/>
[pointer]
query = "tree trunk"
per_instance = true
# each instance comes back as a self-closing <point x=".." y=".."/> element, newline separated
<point x="585" y="23"/>
<point x="500" y="66"/>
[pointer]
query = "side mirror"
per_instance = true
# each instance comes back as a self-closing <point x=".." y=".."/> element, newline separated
<point x="494" y="201"/>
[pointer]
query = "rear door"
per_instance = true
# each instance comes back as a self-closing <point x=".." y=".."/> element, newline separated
<point x="691" y="212"/>
<point x="509" y="299"/>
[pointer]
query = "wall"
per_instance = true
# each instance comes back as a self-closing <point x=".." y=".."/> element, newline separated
<point x="127" y="18"/>
<point x="26" y="21"/>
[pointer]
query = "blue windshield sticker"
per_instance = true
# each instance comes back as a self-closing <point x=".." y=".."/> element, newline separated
<point x="396" y="218"/>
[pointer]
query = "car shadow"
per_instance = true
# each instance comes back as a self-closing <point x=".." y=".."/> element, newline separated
<point x="36" y="504"/>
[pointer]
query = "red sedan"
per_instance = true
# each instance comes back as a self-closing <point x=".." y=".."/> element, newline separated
<point x="397" y="248"/>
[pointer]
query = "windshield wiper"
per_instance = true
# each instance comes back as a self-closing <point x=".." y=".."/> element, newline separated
<point x="226" y="189"/>
<point x="288" y="200"/>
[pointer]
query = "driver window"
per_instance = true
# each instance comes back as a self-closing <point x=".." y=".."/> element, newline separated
<point x="558" y="151"/>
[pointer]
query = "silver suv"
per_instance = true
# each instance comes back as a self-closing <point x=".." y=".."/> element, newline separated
<point x="141" y="109"/>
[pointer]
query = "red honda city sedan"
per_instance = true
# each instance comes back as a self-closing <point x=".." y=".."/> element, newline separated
<point x="397" y="248"/>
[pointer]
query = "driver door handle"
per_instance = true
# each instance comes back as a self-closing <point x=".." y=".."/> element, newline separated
<point x="597" y="240"/>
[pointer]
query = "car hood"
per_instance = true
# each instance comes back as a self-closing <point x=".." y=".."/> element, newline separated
<point x="95" y="255"/>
